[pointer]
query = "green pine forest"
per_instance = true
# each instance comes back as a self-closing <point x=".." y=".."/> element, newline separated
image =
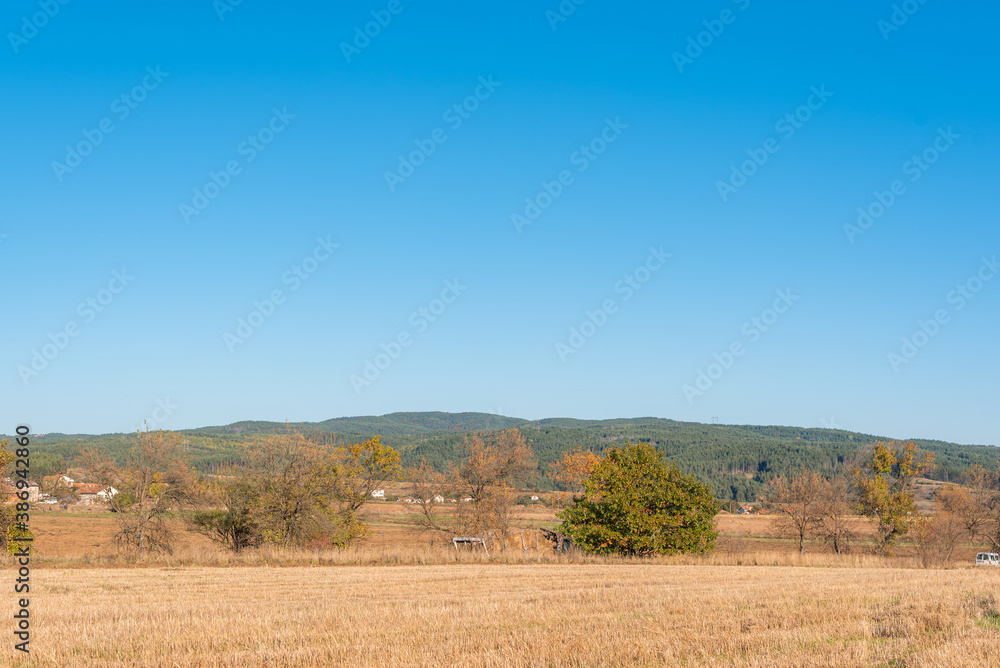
<point x="737" y="461"/>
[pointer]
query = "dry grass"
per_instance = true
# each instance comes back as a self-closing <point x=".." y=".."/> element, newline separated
<point x="514" y="615"/>
<point x="405" y="598"/>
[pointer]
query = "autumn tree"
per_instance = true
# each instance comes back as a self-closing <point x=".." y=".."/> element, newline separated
<point x="938" y="536"/>
<point x="425" y="483"/>
<point x="984" y="486"/>
<point x="56" y="486"/>
<point x="572" y="469"/>
<point x="13" y="501"/>
<point x="837" y="526"/>
<point x="796" y="499"/>
<point x="635" y="503"/>
<point x="883" y="482"/>
<point x="228" y="519"/>
<point x="976" y="505"/>
<point x="967" y="506"/>
<point x="490" y="467"/>
<point x="294" y="489"/>
<point x="154" y="481"/>
<point x="361" y="469"/>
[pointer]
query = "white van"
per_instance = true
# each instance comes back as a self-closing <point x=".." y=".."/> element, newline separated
<point x="988" y="559"/>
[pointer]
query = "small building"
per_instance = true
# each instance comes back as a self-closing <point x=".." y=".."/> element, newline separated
<point x="745" y="510"/>
<point x="9" y="492"/>
<point x="534" y="497"/>
<point x="90" y="492"/>
<point x="378" y="493"/>
<point x="438" y="499"/>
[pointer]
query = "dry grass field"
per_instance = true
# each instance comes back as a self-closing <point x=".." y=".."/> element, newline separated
<point x="86" y="533"/>
<point x="514" y="615"/>
<point x="407" y="598"/>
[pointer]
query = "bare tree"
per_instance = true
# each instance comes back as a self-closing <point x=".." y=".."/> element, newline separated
<point x="979" y="505"/>
<point x="938" y="536"/>
<point x="491" y="465"/>
<point x="836" y="525"/>
<point x="144" y="492"/>
<point x="797" y="501"/>
<point x="426" y="483"/>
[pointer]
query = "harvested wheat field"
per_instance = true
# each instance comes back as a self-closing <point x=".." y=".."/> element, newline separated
<point x="514" y="615"/>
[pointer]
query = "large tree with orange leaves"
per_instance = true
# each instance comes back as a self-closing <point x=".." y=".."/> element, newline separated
<point x="491" y="466"/>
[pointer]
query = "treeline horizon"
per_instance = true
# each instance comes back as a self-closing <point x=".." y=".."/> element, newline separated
<point x="736" y="461"/>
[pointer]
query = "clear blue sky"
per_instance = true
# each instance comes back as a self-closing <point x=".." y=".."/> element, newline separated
<point x="662" y="119"/>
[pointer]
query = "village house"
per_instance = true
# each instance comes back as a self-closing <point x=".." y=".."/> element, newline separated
<point x="10" y="491"/>
<point x="378" y="493"/>
<point x="88" y="493"/>
<point x="438" y="499"/>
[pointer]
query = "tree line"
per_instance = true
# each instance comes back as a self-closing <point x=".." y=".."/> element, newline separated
<point x="736" y="461"/>
<point x="879" y="485"/>
<point x="307" y="490"/>
<point x="289" y="489"/>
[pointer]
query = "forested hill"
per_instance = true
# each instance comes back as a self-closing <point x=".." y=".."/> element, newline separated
<point x="736" y="460"/>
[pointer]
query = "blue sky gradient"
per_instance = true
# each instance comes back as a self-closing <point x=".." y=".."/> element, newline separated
<point x="501" y="343"/>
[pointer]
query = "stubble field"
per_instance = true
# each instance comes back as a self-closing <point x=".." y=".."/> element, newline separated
<point x="514" y="615"/>
<point x="407" y="598"/>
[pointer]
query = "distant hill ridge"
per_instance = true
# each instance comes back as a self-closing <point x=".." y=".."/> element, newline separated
<point x="737" y="460"/>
